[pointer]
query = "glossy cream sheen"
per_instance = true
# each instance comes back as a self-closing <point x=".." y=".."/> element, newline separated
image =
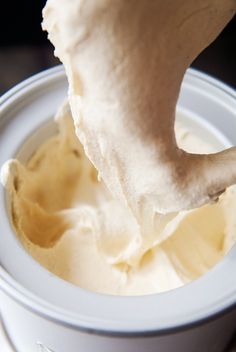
<point x="71" y="224"/>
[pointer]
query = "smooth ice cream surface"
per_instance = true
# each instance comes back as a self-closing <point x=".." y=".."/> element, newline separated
<point x="70" y="223"/>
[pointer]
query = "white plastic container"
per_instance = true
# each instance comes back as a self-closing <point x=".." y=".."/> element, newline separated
<point x="41" y="312"/>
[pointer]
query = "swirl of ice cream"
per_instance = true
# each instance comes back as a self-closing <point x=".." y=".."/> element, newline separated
<point x="125" y="62"/>
<point x="71" y="224"/>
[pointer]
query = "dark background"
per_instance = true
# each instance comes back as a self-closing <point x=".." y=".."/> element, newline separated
<point x="25" y="50"/>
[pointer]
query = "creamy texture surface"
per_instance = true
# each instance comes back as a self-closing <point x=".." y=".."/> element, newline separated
<point x="71" y="224"/>
<point x="125" y="69"/>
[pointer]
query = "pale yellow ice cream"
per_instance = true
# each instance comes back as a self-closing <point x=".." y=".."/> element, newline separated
<point x="124" y="70"/>
<point x="70" y="223"/>
<point x="125" y="61"/>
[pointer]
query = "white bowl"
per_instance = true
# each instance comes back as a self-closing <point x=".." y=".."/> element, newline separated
<point x="39" y="309"/>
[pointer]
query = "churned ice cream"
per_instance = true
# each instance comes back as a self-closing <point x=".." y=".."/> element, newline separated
<point x="125" y="61"/>
<point x="70" y="223"/>
<point x="126" y="208"/>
